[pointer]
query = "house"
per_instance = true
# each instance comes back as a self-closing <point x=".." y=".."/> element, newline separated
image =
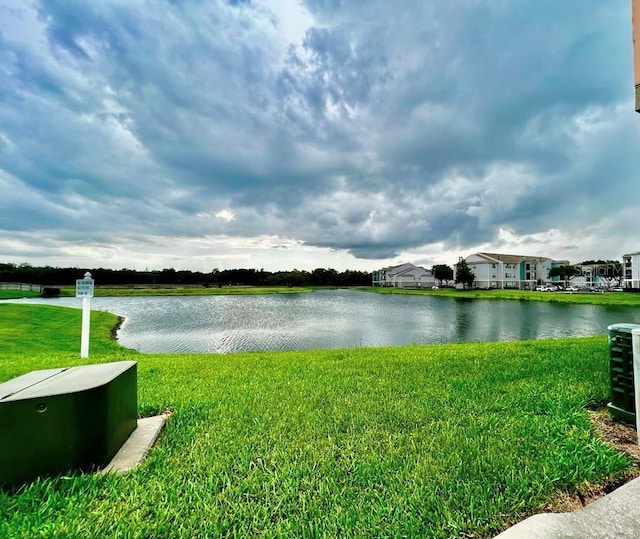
<point x="631" y="270"/>
<point x="405" y="276"/>
<point x="494" y="270"/>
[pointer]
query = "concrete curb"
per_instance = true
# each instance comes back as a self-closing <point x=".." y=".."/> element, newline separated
<point x="615" y="516"/>
<point x="135" y="449"/>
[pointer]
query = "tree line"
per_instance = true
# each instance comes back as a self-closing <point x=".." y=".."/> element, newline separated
<point x="47" y="275"/>
<point x="609" y="272"/>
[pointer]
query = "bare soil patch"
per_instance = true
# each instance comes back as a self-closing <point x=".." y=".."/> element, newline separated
<point x="622" y="437"/>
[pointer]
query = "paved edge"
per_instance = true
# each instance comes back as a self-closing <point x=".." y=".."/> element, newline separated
<point x="616" y="515"/>
<point x="135" y="449"/>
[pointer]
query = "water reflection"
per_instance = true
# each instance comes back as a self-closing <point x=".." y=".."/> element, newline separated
<point x="339" y="318"/>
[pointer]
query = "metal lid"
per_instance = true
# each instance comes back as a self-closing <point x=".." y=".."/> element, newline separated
<point x="25" y="381"/>
<point x="623" y="328"/>
<point x="71" y="380"/>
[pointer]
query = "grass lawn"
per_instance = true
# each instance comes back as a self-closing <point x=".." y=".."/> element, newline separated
<point x="418" y="441"/>
<point x="17" y="294"/>
<point x="179" y="290"/>
<point x="606" y="298"/>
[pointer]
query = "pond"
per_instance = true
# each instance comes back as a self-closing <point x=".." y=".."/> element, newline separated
<point x="339" y="318"/>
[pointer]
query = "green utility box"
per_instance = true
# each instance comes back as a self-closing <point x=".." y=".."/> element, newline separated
<point x="56" y="420"/>
<point x="622" y="405"/>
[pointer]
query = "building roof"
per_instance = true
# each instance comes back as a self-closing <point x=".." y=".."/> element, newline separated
<point x="513" y="259"/>
<point x="406" y="265"/>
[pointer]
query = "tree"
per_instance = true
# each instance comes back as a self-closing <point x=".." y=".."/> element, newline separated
<point x="608" y="271"/>
<point x="464" y="274"/>
<point x="442" y="272"/>
<point x="323" y="277"/>
<point x="610" y="274"/>
<point x="565" y="272"/>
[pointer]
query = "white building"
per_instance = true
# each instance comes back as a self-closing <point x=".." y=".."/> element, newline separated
<point x="405" y="276"/>
<point x="494" y="270"/>
<point x="631" y="270"/>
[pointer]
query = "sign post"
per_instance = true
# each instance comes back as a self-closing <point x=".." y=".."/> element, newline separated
<point x="84" y="290"/>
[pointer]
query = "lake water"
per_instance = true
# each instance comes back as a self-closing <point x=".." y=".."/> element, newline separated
<point x="339" y="318"/>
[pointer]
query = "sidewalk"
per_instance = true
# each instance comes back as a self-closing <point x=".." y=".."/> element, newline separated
<point x="616" y="515"/>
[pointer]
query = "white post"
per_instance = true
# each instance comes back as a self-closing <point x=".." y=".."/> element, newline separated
<point x="86" y="324"/>
<point x="84" y="290"/>
<point x="635" y="347"/>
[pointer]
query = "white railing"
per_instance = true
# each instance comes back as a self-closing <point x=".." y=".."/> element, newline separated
<point x="21" y="286"/>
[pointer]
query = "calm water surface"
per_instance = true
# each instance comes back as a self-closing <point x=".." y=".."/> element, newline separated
<point x="339" y="318"/>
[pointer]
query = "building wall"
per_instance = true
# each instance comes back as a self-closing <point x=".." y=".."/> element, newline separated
<point x="481" y="269"/>
<point x="493" y="274"/>
<point x="631" y="270"/>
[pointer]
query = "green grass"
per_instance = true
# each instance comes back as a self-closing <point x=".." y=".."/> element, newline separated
<point x="177" y="290"/>
<point x="606" y="298"/>
<point x="418" y="441"/>
<point x="33" y="331"/>
<point x="16" y="294"/>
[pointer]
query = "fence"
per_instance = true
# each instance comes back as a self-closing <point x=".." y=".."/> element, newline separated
<point x="21" y="286"/>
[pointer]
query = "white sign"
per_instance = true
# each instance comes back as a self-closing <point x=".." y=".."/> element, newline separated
<point x="84" y="288"/>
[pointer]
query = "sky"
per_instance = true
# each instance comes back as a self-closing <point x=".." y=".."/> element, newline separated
<point x="282" y="134"/>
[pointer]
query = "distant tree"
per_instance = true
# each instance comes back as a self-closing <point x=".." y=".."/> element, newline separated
<point x="610" y="274"/>
<point x="566" y="272"/>
<point x="167" y="276"/>
<point x="48" y="275"/>
<point x="323" y="277"/>
<point x="464" y="274"/>
<point x="608" y="271"/>
<point x="353" y="278"/>
<point x="442" y="272"/>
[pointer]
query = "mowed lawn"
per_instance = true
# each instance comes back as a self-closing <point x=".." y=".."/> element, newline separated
<point x="628" y="299"/>
<point x="453" y="440"/>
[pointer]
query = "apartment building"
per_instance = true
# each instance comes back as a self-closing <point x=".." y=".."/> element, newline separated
<point x="496" y="270"/>
<point x="404" y="275"/>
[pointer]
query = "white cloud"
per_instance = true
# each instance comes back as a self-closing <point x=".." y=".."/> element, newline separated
<point x="225" y="215"/>
<point x="357" y="129"/>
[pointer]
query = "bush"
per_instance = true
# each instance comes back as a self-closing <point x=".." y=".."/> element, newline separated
<point x="50" y="292"/>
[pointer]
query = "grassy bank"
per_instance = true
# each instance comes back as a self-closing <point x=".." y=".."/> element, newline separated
<point x="17" y="294"/>
<point x="606" y="298"/>
<point x="177" y="290"/>
<point x="428" y="441"/>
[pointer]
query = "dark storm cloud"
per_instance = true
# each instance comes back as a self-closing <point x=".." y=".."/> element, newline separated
<point x="374" y="128"/>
